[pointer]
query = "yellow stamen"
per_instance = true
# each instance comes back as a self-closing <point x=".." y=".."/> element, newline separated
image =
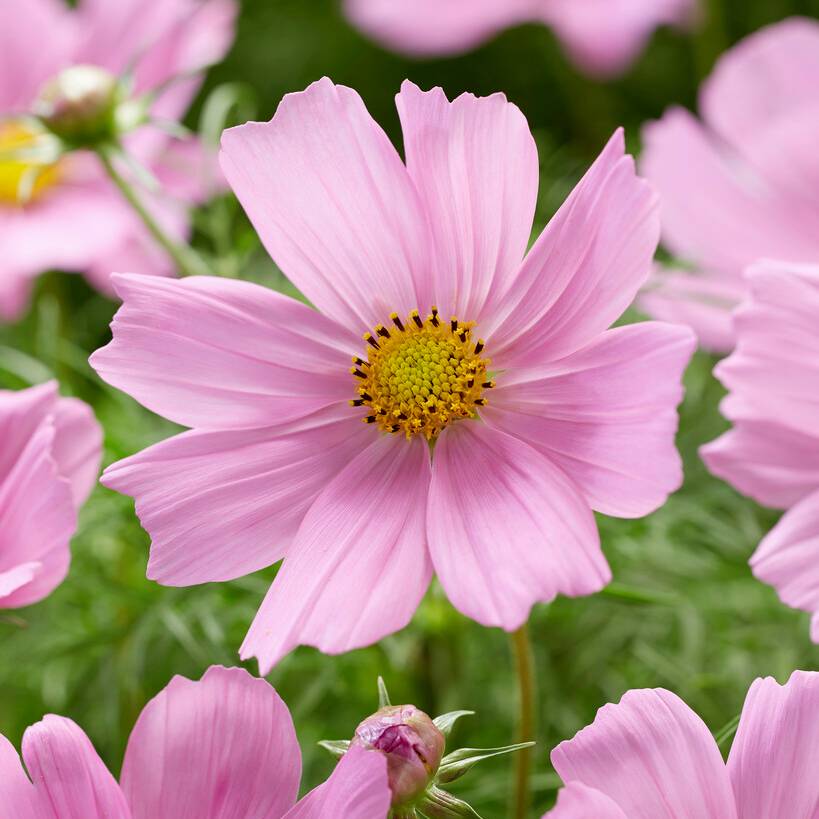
<point x="420" y="376"/>
<point x="23" y="179"/>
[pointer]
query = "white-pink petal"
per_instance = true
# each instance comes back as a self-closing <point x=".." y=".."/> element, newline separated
<point x="653" y="756"/>
<point x="772" y="763"/>
<point x="70" y="779"/>
<point x="223" y="747"/>
<point x="359" y="565"/>
<point x="606" y="415"/>
<point x="584" y="269"/>
<point x="576" y="801"/>
<point x="220" y="505"/>
<point x="334" y="205"/>
<point x="507" y="528"/>
<point x="223" y="354"/>
<point x="357" y="789"/>
<point x="474" y="163"/>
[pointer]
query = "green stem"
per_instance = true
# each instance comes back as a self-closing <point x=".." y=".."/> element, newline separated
<point x="187" y="260"/>
<point x="527" y="719"/>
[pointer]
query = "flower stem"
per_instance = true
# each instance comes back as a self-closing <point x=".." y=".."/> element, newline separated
<point x="187" y="260"/>
<point x="527" y="719"/>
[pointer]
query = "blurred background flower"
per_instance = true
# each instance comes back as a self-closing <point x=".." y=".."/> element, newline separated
<point x="684" y="611"/>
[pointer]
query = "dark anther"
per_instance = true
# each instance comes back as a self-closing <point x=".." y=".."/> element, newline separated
<point x="453" y="324"/>
<point x="434" y="318"/>
<point x="481" y="402"/>
<point x="479" y="346"/>
<point x="382" y="331"/>
<point x="397" y="321"/>
<point x="361" y="362"/>
<point x="488" y="385"/>
<point x="417" y="319"/>
<point x="371" y="341"/>
<point x="366" y="396"/>
<point x="470" y="383"/>
<point x="359" y="374"/>
<point x="356" y="402"/>
<point x="370" y="419"/>
<point x="462" y="335"/>
<point x="395" y="428"/>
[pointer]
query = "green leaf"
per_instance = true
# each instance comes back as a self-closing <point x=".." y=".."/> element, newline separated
<point x="445" y="722"/>
<point x="383" y="696"/>
<point x="337" y="747"/>
<point x="455" y="765"/>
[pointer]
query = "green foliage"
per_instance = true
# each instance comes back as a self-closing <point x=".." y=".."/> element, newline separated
<point x="684" y="611"/>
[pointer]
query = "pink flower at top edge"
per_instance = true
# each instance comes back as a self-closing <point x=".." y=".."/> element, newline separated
<point x="651" y="757"/>
<point x="568" y="415"/>
<point x="50" y="452"/>
<point x="76" y="220"/>
<point x="602" y="37"/>
<point x="222" y="746"/>
<point x="741" y="185"/>
<point x="772" y="452"/>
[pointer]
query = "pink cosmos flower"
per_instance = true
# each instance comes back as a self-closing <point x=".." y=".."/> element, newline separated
<point x="50" y="452"/>
<point x="538" y="413"/>
<point x="772" y="452"/>
<point x="602" y="37"/>
<point x="219" y="748"/>
<point x="742" y="185"/>
<point x="75" y="219"/>
<point x="651" y="757"/>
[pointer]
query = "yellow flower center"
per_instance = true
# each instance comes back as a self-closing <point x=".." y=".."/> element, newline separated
<point x="420" y="376"/>
<point x="24" y="174"/>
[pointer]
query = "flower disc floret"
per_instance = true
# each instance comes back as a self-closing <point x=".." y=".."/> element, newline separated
<point x="421" y="375"/>
<point x="27" y="165"/>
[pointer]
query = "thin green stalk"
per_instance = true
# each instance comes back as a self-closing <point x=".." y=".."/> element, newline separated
<point x="187" y="260"/>
<point x="527" y="719"/>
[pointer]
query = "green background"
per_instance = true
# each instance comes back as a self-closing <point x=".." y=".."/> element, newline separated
<point x="683" y="612"/>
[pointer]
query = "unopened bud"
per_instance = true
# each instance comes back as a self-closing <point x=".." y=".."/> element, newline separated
<point x="412" y="744"/>
<point x="80" y="105"/>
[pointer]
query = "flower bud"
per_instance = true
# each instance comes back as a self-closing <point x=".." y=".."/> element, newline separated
<point x="80" y="105"/>
<point x="412" y="744"/>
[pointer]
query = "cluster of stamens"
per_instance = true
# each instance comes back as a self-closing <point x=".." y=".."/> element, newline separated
<point x="421" y="375"/>
<point x="24" y="174"/>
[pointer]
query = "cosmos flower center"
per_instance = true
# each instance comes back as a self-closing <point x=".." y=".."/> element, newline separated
<point x="25" y="171"/>
<point x="421" y="375"/>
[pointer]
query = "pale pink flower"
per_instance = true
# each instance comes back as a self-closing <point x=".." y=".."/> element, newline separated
<point x="741" y="185"/>
<point x="772" y="452"/>
<point x="279" y="464"/>
<point x="602" y="37"/>
<point x="220" y="748"/>
<point x="50" y="452"/>
<point x="76" y="220"/>
<point x="651" y="757"/>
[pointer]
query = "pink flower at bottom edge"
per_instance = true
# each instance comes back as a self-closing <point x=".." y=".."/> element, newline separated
<point x="772" y="452"/>
<point x="602" y="37"/>
<point x="539" y="414"/>
<point x="651" y="757"/>
<point x="224" y="746"/>
<point x="50" y="453"/>
<point x="747" y="188"/>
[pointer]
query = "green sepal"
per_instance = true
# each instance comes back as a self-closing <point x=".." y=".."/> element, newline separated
<point x="438" y="804"/>
<point x="455" y="765"/>
<point x="383" y="696"/>
<point x="337" y="747"/>
<point x="445" y="722"/>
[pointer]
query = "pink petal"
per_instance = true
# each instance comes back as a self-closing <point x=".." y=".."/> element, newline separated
<point x="430" y="27"/>
<point x="585" y="268"/>
<point x="475" y="165"/>
<point x="775" y="367"/>
<point x="15" y="293"/>
<point x="220" y="505"/>
<point x="223" y="354"/>
<point x="716" y="211"/>
<point x="16" y="792"/>
<point x="702" y="301"/>
<point x="37" y="520"/>
<point x="788" y="557"/>
<point x="357" y="789"/>
<point x="222" y="747"/>
<point x="604" y="36"/>
<point x="71" y="780"/>
<point x="606" y="415"/>
<point x="358" y="567"/>
<point x="576" y="801"/>
<point x="77" y="446"/>
<point x="25" y="64"/>
<point x="772" y="763"/>
<point x="766" y="78"/>
<point x="653" y="756"/>
<point x="771" y="463"/>
<point x="21" y="413"/>
<point x="333" y="204"/>
<point x="507" y="528"/>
